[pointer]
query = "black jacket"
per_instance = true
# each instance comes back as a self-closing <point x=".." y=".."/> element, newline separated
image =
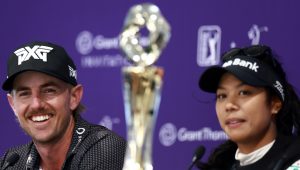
<point x="284" y="152"/>
<point x="92" y="147"/>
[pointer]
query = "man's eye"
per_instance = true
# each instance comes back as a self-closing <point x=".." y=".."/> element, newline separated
<point x="50" y="91"/>
<point x="23" y="93"/>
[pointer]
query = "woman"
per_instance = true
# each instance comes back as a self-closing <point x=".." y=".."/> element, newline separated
<point x="257" y="108"/>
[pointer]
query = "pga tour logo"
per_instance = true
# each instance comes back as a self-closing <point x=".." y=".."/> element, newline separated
<point x="209" y="45"/>
<point x="36" y="52"/>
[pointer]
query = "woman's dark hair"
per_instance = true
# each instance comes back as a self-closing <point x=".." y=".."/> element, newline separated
<point x="287" y="119"/>
<point x="222" y="157"/>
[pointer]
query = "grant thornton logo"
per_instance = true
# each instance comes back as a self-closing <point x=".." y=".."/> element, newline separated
<point x="98" y="50"/>
<point x="84" y="42"/>
<point x="169" y="134"/>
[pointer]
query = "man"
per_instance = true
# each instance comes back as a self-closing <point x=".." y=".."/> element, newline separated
<point x="45" y="97"/>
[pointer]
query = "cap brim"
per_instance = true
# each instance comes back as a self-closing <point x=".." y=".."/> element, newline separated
<point x="8" y="84"/>
<point x="210" y="79"/>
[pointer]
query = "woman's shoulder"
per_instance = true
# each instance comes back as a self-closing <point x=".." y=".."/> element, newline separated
<point x="291" y="156"/>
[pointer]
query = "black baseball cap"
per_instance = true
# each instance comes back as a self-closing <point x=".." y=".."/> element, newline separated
<point x="43" y="57"/>
<point x="249" y="70"/>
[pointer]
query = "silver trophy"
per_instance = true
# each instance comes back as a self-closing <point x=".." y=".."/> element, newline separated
<point x="142" y="82"/>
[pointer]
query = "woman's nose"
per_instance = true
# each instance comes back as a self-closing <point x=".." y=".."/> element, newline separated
<point x="231" y="104"/>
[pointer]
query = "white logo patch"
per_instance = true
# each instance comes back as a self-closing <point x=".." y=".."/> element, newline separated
<point x="209" y="45"/>
<point x="73" y="72"/>
<point x="242" y="63"/>
<point x="36" y="52"/>
<point x="168" y="134"/>
<point x="279" y="87"/>
<point x="80" y="131"/>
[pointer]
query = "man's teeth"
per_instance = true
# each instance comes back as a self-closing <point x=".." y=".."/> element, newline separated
<point x="40" y="118"/>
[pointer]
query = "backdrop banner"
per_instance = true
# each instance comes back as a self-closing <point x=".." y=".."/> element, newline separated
<point x="201" y="31"/>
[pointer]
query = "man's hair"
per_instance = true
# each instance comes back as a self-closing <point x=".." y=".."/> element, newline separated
<point x="80" y="108"/>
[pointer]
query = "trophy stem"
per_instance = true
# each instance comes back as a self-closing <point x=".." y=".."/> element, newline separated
<point x="142" y="93"/>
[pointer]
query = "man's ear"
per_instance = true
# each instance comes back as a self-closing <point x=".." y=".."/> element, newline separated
<point x="76" y="95"/>
<point x="276" y="105"/>
<point x="10" y="100"/>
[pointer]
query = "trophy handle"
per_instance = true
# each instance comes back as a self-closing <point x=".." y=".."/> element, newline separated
<point x="140" y="16"/>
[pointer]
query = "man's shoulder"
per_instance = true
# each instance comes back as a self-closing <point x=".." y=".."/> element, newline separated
<point x="99" y="132"/>
<point x="20" y="149"/>
<point x="98" y="148"/>
<point x="103" y="133"/>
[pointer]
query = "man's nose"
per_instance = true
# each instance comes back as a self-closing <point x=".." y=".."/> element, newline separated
<point x="36" y="102"/>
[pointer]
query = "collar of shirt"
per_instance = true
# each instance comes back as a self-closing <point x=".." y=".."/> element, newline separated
<point x="250" y="158"/>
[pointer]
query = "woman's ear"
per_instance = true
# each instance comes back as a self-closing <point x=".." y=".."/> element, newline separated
<point x="276" y="105"/>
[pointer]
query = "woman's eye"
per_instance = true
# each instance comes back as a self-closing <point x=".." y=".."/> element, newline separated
<point x="220" y="96"/>
<point x="244" y="92"/>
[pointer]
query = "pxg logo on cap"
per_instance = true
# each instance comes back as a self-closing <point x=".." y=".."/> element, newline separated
<point x="37" y="52"/>
<point x="43" y="57"/>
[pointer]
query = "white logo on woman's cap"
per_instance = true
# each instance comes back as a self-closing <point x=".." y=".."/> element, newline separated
<point x="243" y="63"/>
